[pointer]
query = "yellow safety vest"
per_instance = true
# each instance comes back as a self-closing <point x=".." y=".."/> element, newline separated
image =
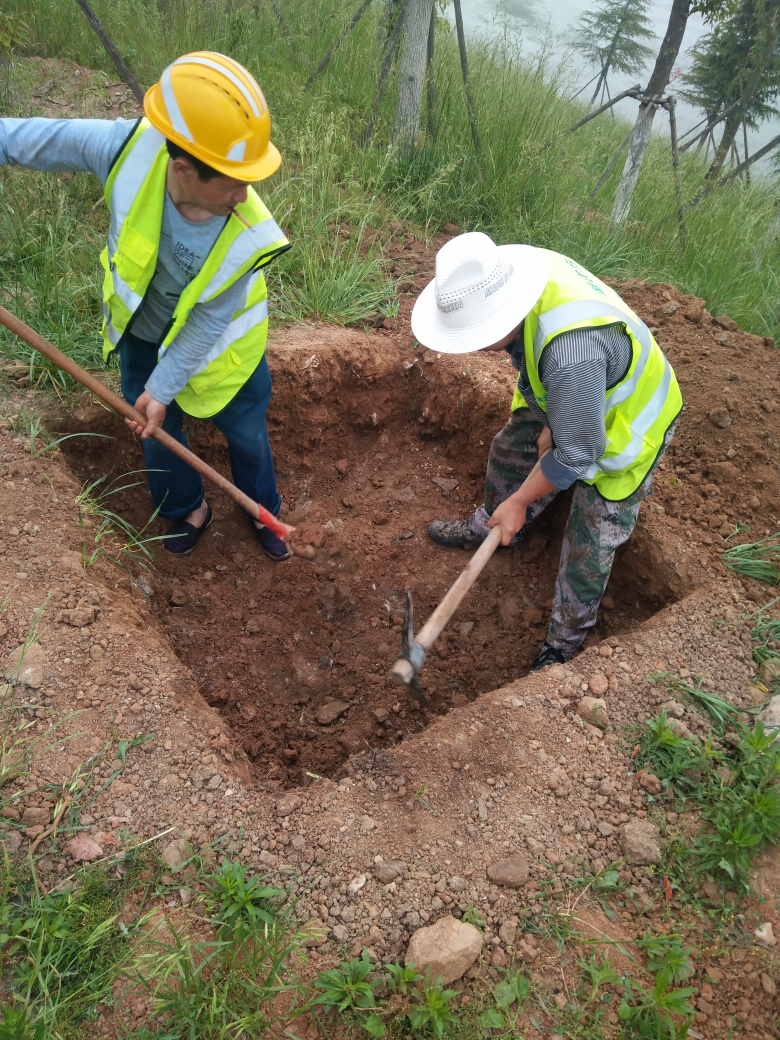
<point x="640" y="408"/>
<point x="135" y="192"/>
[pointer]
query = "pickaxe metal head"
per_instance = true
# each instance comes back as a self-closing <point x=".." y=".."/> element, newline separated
<point x="406" y="670"/>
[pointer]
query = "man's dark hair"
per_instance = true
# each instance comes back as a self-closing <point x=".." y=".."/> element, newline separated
<point x="204" y="172"/>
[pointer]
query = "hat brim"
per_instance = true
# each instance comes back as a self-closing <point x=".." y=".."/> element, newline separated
<point x="521" y="292"/>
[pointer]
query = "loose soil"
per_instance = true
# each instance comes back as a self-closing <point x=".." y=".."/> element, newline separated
<point x="227" y="685"/>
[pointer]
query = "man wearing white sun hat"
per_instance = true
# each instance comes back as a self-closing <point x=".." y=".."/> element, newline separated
<point x="595" y="400"/>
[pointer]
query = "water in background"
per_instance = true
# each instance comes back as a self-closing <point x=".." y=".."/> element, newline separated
<point x="539" y="20"/>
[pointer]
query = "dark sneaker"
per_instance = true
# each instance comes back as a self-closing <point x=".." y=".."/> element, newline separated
<point x="183" y="537"/>
<point x="549" y="655"/>
<point x="273" y="545"/>
<point x="454" y="533"/>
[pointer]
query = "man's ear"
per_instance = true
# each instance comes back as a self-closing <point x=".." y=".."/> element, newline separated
<point x="182" y="168"/>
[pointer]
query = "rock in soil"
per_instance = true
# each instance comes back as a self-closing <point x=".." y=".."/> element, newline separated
<point x="641" y="842"/>
<point x="511" y="872"/>
<point x="448" y="948"/>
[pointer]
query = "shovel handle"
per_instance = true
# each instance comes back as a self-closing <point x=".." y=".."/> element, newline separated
<point x="121" y="406"/>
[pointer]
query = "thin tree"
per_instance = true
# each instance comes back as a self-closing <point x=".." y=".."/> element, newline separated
<point x="760" y="74"/>
<point x="411" y="73"/>
<point x="609" y="37"/>
<point x="659" y="81"/>
<point x="721" y="63"/>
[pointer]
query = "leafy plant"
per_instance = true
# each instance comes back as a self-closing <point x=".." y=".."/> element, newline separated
<point x="402" y="978"/>
<point x="472" y="915"/>
<point x="14" y="33"/>
<point x="510" y="990"/>
<point x="238" y="901"/>
<point x="597" y="974"/>
<point x="648" y="1012"/>
<point x="346" y="990"/>
<point x="667" y="958"/>
<point x="431" y="1013"/>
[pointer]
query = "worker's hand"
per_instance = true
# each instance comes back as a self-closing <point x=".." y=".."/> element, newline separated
<point x="511" y="515"/>
<point x="154" y="412"/>
<point x="544" y="441"/>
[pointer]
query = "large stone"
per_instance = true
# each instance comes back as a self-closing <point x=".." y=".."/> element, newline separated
<point x="32" y="816"/>
<point x="511" y="872"/>
<point x="447" y="948"/>
<point x="287" y="804"/>
<point x="26" y="668"/>
<point x="594" y="710"/>
<point x="331" y="711"/>
<point x="388" y="870"/>
<point x="720" y="417"/>
<point x="175" y="853"/>
<point x="640" y="843"/>
<point x="598" y="684"/>
<point x="770" y="716"/>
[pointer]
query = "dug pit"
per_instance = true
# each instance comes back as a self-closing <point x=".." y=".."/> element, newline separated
<point x="370" y="445"/>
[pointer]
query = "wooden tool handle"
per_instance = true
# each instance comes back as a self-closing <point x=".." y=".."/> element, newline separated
<point x="403" y="671"/>
<point x="123" y="408"/>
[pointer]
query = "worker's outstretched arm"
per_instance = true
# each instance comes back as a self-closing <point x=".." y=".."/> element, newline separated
<point x="63" y="145"/>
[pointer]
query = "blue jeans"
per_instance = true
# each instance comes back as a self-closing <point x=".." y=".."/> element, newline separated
<point x="175" y="486"/>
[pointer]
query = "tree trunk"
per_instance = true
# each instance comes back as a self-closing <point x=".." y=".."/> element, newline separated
<point x="411" y="75"/>
<point x="659" y="81"/>
<point x="431" y="76"/>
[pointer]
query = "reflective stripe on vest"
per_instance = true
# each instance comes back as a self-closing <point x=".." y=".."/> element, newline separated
<point x="135" y="191"/>
<point x="640" y="408"/>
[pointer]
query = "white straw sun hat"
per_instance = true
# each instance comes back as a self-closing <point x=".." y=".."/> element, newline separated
<point x="480" y="293"/>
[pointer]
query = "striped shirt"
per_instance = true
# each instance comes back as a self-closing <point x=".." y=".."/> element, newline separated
<point x="576" y="369"/>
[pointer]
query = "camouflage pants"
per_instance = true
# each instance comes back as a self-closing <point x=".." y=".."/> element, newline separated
<point x="595" y="528"/>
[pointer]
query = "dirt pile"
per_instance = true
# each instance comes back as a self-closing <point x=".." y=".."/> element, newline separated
<point x="251" y="676"/>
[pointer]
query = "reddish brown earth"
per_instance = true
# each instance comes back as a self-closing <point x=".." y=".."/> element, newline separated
<point x="361" y="424"/>
<point x="228" y="684"/>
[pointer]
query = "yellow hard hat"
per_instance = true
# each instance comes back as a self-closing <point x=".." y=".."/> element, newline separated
<point x="213" y="108"/>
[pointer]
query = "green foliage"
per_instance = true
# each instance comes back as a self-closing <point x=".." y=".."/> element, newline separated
<point x="597" y="974"/>
<point x="14" y="33"/>
<point x="734" y="790"/>
<point x="402" y="978"/>
<point x="648" y="1013"/>
<point x="15" y="1025"/>
<point x="61" y="950"/>
<point x="472" y="915"/>
<point x="723" y="61"/>
<point x="346" y="989"/>
<point x="609" y="37"/>
<point x="214" y="989"/>
<point x="238" y="902"/>
<point x="113" y="535"/>
<point x="431" y="1015"/>
<point x="667" y="958"/>
<point x="723" y="714"/>
<point x="756" y="559"/>
<point x="510" y="991"/>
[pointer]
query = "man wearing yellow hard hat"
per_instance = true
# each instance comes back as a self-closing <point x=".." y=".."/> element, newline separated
<point x="184" y="299"/>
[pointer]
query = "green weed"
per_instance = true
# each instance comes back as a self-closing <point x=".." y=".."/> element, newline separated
<point x="402" y="978"/>
<point x="733" y="788"/>
<point x="239" y="902"/>
<point x="114" y="537"/>
<point x="431" y="1015"/>
<point x="347" y="991"/>
<point x="756" y="559"/>
<point x="510" y="991"/>
<point x="647" y="1012"/>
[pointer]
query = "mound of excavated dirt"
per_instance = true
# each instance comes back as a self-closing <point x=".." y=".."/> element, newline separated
<point x="361" y="425"/>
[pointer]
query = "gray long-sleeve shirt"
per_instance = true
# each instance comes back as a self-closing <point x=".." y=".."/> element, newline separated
<point x="89" y="145"/>
<point x="576" y="368"/>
